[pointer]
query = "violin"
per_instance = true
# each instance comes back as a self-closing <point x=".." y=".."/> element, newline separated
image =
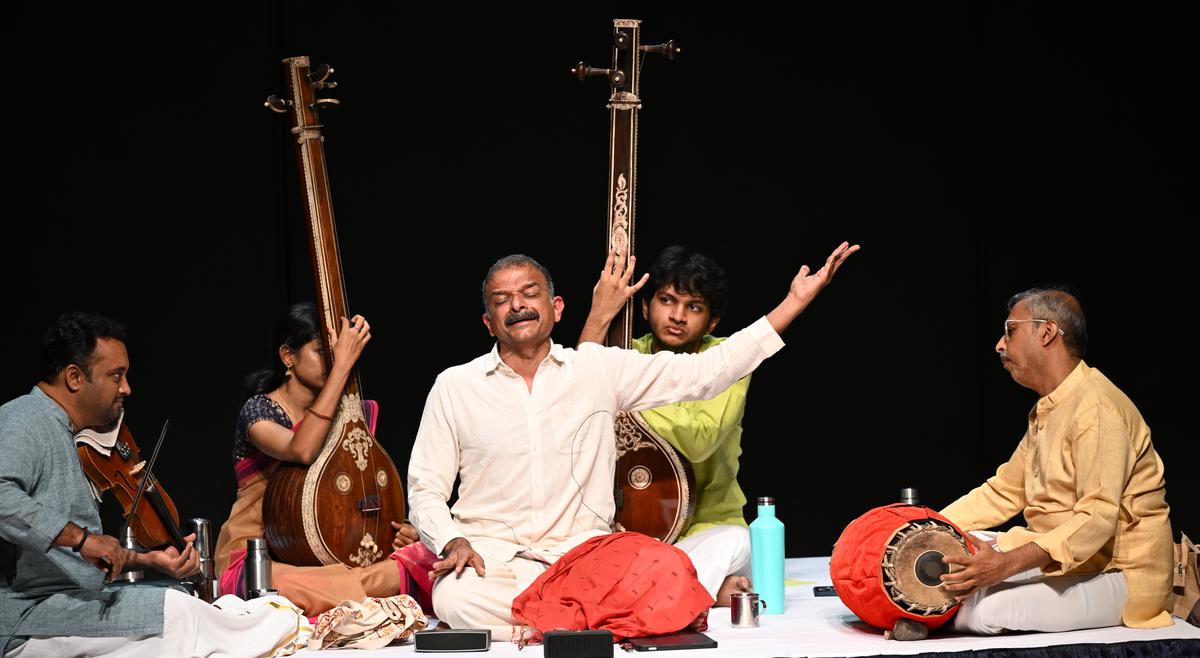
<point x="155" y="521"/>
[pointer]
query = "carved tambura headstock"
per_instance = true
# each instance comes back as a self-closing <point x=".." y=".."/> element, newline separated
<point x="302" y="103"/>
<point x="304" y="83"/>
<point x="627" y="58"/>
<point x="623" y="77"/>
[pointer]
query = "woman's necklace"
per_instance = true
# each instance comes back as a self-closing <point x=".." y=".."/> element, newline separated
<point x="286" y="409"/>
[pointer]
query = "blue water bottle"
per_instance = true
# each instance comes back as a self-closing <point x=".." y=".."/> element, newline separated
<point x="766" y="555"/>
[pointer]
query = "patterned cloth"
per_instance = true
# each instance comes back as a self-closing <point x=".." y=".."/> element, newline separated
<point x="417" y="561"/>
<point x="372" y="624"/>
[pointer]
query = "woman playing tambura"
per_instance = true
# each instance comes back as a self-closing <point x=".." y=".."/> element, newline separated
<point x="287" y="414"/>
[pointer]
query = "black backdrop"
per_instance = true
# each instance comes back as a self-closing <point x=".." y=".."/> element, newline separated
<point x="973" y="151"/>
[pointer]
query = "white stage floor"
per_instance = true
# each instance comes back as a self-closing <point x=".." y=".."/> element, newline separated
<point x="822" y="626"/>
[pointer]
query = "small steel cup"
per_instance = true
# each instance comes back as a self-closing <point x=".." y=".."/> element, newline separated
<point x="743" y="609"/>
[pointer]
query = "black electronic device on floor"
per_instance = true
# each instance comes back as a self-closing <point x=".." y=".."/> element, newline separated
<point x="577" y="644"/>
<point x="453" y="640"/>
<point x="684" y="640"/>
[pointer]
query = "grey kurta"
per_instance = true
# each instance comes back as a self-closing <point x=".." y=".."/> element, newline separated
<point x="47" y="589"/>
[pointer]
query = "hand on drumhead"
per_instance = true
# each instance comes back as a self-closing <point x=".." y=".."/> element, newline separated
<point x="989" y="566"/>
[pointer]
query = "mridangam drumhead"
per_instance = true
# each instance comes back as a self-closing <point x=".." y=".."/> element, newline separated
<point x="912" y="566"/>
<point x="887" y="565"/>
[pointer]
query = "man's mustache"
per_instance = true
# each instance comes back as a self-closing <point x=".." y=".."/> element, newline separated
<point x="521" y="316"/>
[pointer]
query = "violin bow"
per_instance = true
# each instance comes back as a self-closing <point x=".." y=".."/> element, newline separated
<point x="149" y="474"/>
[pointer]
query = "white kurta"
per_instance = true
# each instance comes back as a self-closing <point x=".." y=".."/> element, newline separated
<point x="536" y="466"/>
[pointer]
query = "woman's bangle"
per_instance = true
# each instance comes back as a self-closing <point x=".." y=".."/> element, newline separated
<point x="79" y="546"/>
<point x="319" y="414"/>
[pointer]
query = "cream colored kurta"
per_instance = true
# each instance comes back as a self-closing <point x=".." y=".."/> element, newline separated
<point x="536" y="467"/>
<point x="1091" y="487"/>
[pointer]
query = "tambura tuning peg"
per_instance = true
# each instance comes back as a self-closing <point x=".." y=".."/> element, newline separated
<point x="277" y="104"/>
<point x="325" y="103"/>
<point x="621" y="39"/>
<point x="669" y="49"/>
<point x="320" y="72"/>
<point x="320" y="77"/>
<point x="616" y="77"/>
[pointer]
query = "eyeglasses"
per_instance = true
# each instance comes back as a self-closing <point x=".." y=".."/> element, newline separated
<point x="1008" y="326"/>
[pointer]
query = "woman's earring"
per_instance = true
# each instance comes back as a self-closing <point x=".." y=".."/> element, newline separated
<point x="289" y="369"/>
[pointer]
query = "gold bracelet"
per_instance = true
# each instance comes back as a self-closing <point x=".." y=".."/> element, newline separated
<point x="319" y="414"/>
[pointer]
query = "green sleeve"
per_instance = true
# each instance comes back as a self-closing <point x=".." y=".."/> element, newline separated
<point x="698" y="427"/>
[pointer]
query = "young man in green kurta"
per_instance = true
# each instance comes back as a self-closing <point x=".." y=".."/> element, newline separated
<point x="688" y="297"/>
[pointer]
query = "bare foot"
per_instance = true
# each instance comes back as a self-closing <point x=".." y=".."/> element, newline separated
<point x="728" y="587"/>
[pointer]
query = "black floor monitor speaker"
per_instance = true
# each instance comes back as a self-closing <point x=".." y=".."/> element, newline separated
<point x="577" y="644"/>
<point x="453" y="639"/>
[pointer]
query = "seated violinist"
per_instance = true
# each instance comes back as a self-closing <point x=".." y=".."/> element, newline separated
<point x="55" y="560"/>
<point x="286" y="417"/>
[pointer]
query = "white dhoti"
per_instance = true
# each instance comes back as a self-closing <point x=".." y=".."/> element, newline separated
<point x="1031" y="601"/>
<point x="191" y="627"/>
<point x="485" y="602"/>
<point x="717" y="553"/>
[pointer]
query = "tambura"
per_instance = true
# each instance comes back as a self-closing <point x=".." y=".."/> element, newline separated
<point x="655" y="488"/>
<point x="888" y="562"/>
